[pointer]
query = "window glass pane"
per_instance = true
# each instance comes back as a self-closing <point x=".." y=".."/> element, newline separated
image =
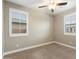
<point x="18" y="22"/>
<point x="70" y="23"/>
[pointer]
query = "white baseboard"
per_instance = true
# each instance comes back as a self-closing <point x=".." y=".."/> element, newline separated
<point x="64" y="45"/>
<point x="22" y="49"/>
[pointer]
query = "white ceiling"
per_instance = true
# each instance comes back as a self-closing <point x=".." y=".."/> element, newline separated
<point x="36" y="3"/>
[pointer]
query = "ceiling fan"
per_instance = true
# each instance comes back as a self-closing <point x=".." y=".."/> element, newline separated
<point x="52" y="5"/>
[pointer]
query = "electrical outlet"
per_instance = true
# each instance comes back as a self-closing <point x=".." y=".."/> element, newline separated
<point x="17" y="45"/>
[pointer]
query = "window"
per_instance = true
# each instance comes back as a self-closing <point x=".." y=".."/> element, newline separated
<point x="18" y="22"/>
<point x="70" y="24"/>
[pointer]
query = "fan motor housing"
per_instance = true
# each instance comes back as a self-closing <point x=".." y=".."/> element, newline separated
<point x="52" y="10"/>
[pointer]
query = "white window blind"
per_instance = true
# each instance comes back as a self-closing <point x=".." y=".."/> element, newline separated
<point x="70" y="24"/>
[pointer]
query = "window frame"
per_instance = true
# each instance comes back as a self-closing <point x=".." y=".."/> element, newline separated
<point x="66" y="33"/>
<point x="10" y="24"/>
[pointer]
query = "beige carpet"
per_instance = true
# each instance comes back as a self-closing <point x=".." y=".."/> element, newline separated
<point x="52" y="51"/>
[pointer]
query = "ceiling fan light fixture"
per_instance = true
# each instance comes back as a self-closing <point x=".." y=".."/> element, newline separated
<point x="52" y="1"/>
<point x="52" y="6"/>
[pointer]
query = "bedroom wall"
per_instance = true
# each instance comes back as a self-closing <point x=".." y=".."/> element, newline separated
<point x="40" y="28"/>
<point x="59" y="29"/>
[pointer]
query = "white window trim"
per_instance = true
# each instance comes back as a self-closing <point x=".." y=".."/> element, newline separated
<point x="10" y="24"/>
<point x="65" y="33"/>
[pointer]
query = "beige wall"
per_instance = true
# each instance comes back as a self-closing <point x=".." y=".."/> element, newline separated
<point x="40" y="29"/>
<point x="59" y="29"/>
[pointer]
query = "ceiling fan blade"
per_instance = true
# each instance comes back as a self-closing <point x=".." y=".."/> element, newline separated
<point x="61" y="4"/>
<point x="42" y="6"/>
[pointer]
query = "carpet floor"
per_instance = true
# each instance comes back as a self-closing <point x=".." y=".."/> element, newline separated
<point x="52" y="51"/>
